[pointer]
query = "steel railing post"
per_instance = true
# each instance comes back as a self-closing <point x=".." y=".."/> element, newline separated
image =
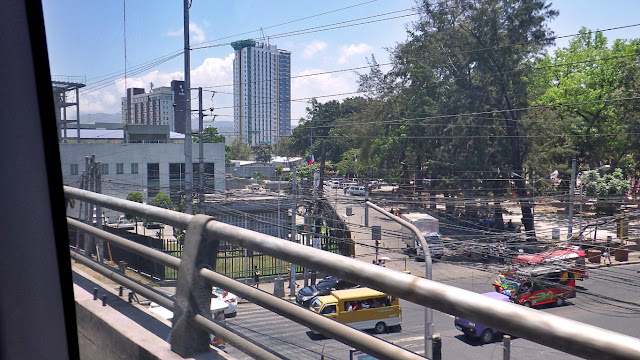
<point x="193" y="293"/>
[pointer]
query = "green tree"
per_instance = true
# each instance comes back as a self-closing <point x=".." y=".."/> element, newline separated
<point x="328" y="122"/>
<point x="471" y="57"/>
<point x="258" y="176"/>
<point x="137" y="197"/>
<point x="262" y="153"/>
<point x="162" y="200"/>
<point x="349" y="166"/>
<point x="210" y="135"/>
<point x="279" y="169"/>
<point x="589" y="73"/>
<point x="238" y="151"/>
<point x="613" y="184"/>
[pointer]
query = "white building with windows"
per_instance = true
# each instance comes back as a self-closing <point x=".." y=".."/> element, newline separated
<point x="261" y="92"/>
<point x="148" y="168"/>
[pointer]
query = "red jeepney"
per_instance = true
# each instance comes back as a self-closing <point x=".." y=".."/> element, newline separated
<point x="539" y="285"/>
<point x="568" y="257"/>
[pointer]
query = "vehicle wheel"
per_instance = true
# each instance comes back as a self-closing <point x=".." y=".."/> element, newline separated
<point x="487" y="336"/>
<point x="380" y="328"/>
<point x="559" y="301"/>
<point x="527" y="304"/>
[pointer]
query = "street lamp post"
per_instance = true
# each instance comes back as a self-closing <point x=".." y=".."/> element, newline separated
<point x="428" y="312"/>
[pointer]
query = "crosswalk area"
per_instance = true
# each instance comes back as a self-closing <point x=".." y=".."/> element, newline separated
<point x="293" y="341"/>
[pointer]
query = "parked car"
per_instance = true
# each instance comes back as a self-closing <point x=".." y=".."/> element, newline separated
<point x="124" y="223"/>
<point x="324" y="287"/>
<point x="346" y="184"/>
<point x="356" y="190"/>
<point x="152" y="225"/>
<point x="473" y="330"/>
<point x="229" y="298"/>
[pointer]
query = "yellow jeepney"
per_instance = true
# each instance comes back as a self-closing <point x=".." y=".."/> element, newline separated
<point x="360" y="308"/>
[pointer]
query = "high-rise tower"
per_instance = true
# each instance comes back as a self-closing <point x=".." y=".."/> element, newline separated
<point x="261" y="92"/>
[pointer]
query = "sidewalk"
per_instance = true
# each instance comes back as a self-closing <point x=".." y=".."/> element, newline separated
<point x="634" y="258"/>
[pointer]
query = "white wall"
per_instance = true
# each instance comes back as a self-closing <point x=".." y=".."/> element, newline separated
<point x="120" y="185"/>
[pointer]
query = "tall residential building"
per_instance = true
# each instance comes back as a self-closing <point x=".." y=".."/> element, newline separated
<point x="261" y="92"/>
<point x="161" y="106"/>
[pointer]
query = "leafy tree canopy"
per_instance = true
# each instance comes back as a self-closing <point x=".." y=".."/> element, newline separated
<point x="238" y="151"/>
<point x="137" y="197"/>
<point x="262" y="153"/>
<point x="608" y="185"/>
<point x="162" y="200"/>
<point x="210" y="135"/>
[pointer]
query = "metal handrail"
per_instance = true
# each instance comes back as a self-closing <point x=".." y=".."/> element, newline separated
<point x="550" y="330"/>
<point x="336" y="330"/>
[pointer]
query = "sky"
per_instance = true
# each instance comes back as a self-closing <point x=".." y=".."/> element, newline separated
<point x="87" y="39"/>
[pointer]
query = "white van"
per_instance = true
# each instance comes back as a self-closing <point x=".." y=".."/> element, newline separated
<point x="356" y="190"/>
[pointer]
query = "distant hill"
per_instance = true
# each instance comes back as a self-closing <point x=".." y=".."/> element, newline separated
<point x="100" y="117"/>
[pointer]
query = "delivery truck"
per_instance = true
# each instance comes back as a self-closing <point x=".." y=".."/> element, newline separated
<point x="429" y="227"/>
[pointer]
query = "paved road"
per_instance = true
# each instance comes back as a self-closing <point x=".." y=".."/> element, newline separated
<point x="293" y="340"/>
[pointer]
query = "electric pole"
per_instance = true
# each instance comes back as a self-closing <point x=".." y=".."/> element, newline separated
<point x="572" y="194"/>
<point x="188" y="161"/>
<point x="200" y="152"/>
<point x="99" y="216"/>
<point x="89" y="242"/>
<point x="292" y="267"/>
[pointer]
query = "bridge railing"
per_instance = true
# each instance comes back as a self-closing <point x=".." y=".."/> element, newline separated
<point x="556" y="332"/>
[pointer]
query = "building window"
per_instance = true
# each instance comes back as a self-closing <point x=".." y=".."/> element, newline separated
<point x="104" y="169"/>
<point x="134" y="168"/>
<point x="74" y="169"/>
<point x="119" y="168"/>
<point x="153" y="179"/>
<point x="176" y="181"/>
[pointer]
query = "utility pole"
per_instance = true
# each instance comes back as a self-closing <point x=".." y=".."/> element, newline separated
<point x="89" y="243"/>
<point x="100" y="242"/>
<point x="572" y="194"/>
<point x="188" y="161"/>
<point x="80" y="206"/>
<point x="200" y="152"/>
<point x="366" y="207"/>
<point x="294" y="188"/>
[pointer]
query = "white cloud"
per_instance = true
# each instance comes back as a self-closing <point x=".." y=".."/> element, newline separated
<point x="313" y="48"/>
<point x="318" y="86"/>
<point x="196" y="33"/>
<point x="213" y="71"/>
<point x="349" y="51"/>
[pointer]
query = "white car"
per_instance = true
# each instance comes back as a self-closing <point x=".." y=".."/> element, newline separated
<point x="229" y="298"/>
<point x="124" y="223"/>
<point x="216" y="306"/>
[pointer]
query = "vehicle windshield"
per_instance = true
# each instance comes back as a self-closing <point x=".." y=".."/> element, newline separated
<point x="316" y="305"/>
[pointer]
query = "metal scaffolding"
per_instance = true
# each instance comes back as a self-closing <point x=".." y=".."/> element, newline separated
<point x="62" y="85"/>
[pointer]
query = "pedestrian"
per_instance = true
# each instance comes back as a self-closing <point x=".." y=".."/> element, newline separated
<point x="606" y="255"/>
<point x="256" y="277"/>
